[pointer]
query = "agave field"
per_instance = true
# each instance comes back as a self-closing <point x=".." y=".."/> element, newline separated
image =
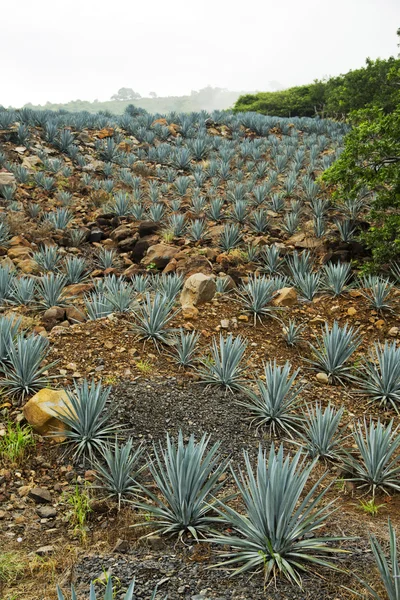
<point x="200" y="381"/>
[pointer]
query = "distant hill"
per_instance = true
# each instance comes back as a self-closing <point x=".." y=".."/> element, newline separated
<point x="208" y="98"/>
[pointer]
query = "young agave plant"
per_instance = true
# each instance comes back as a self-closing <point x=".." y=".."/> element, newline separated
<point x="22" y="291"/>
<point x="224" y="368"/>
<point x="380" y="379"/>
<point x="24" y="373"/>
<point x="9" y="328"/>
<point x="187" y="477"/>
<point x="97" y="305"/>
<point x="307" y="284"/>
<point x="47" y="258"/>
<point x="106" y="259"/>
<point x="271" y="259"/>
<point x="168" y="285"/>
<point x="377" y="291"/>
<point x="230" y="237"/>
<point x="87" y="419"/>
<point x="389" y="567"/>
<point x="109" y="593"/>
<point x="119" y="469"/>
<point x="336" y="277"/>
<point x="50" y="289"/>
<point x="333" y="350"/>
<point x="277" y="535"/>
<point x="378" y="466"/>
<point x="292" y="333"/>
<point x="274" y="403"/>
<point x="256" y="295"/>
<point x="152" y="318"/>
<point x="321" y="437"/>
<point x="75" y="269"/>
<point x="185" y="348"/>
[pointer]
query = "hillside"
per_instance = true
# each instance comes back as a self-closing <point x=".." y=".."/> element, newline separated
<point x="177" y="293"/>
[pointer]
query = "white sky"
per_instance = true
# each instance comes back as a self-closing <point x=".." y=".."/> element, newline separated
<point x="53" y="50"/>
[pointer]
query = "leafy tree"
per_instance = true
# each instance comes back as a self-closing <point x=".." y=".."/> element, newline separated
<point x="125" y="94"/>
<point x="371" y="159"/>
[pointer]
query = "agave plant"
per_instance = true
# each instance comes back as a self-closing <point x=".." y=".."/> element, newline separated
<point x="60" y="218"/>
<point x="256" y="295"/>
<point x="230" y="237"/>
<point x="152" y="317"/>
<point x="97" y="305"/>
<point x="22" y="291"/>
<point x="378" y="465"/>
<point x="299" y="264"/>
<point x="47" y="258"/>
<point x="271" y="259"/>
<point x="321" y="437"/>
<point x="336" y="277"/>
<point x="224" y="367"/>
<point x="118" y="470"/>
<point x="277" y="535"/>
<point x="185" y="348"/>
<point x="307" y="284"/>
<point x="377" y="292"/>
<point x="7" y="277"/>
<point x="87" y="419"/>
<point x="188" y="478"/>
<point x="24" y="372"/>
<point x="380" y="376"/>
<point x="333" y="351"/>
<point x="9" y="328"/>
<point x="109" y="593"/>
<point x="389" y="568"/>
<point x="291" y="333"/>
<point x="168" y="285"/>
<point x="106" y="259"/>
<point x="50" y="290"/>
<point x="75" y="269"/>
<point x="274" y="402"/>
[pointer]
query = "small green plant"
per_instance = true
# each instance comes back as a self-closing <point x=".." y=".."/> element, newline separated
<point x="167" y="236"/>
<point x="79" y="503"/>
<point x="105" y="578"/>
<point x="144" y="366"/>
<point x="15" y="443"/>
<point x="370" y="507"/>
<point x="11" y="567"/>
<point x="151" y="267"/>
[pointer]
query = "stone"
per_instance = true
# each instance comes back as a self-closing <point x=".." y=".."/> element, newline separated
<point x="28" y="266"/>
<point x="40" y="495"/>
<point x="30" y="162"/>
<point x="121" y="546"/>
<point x="393" y="331"/>
<point x="44" y="550"/>
<point x="351" y="311"/>
<point x="41" y="411"/>
<point x="46" y="512"/>
<point x="95" y="235"/>
<point x="7" y="178"/>
<point x="225" y="324"/>
<point x="287" y="296"/>
<point x="198" y="289"/>
<point x="322" y="378"/>
<point x="190" y="312"/>
<point x="159" y="255"/>
<point x="19" y="252"/>
<point x="74" y="315"/>
<point x="190" y="265"/>
<point x="148" y="228"/>
<point x="52" y="316"/>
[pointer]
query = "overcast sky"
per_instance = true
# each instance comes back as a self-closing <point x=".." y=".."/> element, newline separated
<point x="59" y="51"/>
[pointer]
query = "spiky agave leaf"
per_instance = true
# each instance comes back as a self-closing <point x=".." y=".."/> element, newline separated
<point x="321" y="437"/>
<point x="22" y="291"/>
<point x="274" y="403"/>
<point x="256" y="295"/>
<point x="87" y="418"/>
<point x="291" y="332"/>
<point x="108" y="592"/>
<point x="380" y="379"/>
<point x="276" y="535"/>
<point x="230" y="237"/>
<point x="9" y="328"/>
<point x="24" y="374"/>
<point x="168" y="285"/>
<point x="75" y="269"/>
<point x="152" y="317"/>
<point x="336" y="278"/>
<point x="378" y="466"/>
<point x="50" y="289"/>
<point x="185" y="348"/>
<point x="118" y="470"/>
<point x="333" y="350"/>
<point x="7" y="276"/>
<point x="389" y="567"/>
<point x="377" y="291"/>
<point x="307" y="284"/>
<point x="187" y="476"/>
<point x="97" y="305"/>
<point x="224" y="367"/>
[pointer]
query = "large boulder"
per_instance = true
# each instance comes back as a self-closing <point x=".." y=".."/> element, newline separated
<point x="198" y="289"/>
<point x="42" y="409"/>
<point x="287" y="296"/>
<point x="159" y="255"/>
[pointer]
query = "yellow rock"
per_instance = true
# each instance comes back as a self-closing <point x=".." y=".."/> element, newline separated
<point x="41" y="411"/>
